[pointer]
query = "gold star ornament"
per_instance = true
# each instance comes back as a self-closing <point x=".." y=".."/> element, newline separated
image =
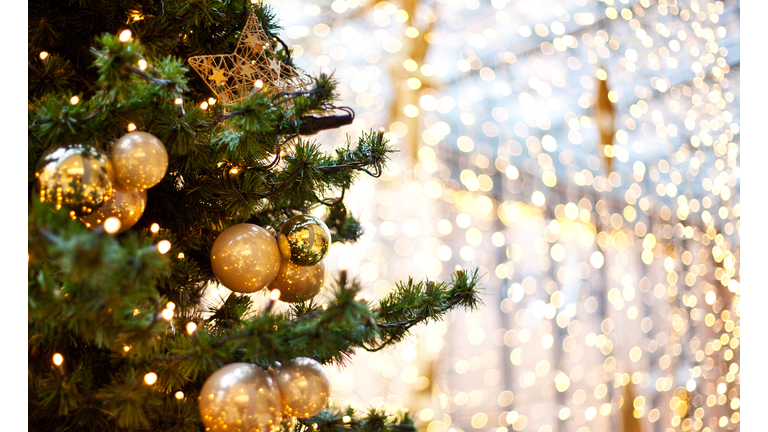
<point x="232" y="77"/>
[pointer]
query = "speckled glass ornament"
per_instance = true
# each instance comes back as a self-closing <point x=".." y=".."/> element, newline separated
<point x="140" y="160"/>
<point x="245" y="258"/>
<point x="127" y="206"/>
<point x="240" y="397"/>
<point x="75" y="177"/>
<point x="304" y="240"/>
<point x="295" y="281"/>
<point x="304" y="386"/>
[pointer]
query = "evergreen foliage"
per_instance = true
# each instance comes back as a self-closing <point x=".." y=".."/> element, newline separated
<point x="96" y="298"/>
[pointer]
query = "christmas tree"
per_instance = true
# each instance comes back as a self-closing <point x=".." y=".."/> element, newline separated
<point x="165" y="137"/>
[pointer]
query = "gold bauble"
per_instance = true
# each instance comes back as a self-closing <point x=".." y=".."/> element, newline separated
<point x="75" y="177"/>
<point x="240" y="397"/>
<point x="245" y="258"/>
<point x="295" y="281"/>
<point x="127" y="206"/>
<point x="304" y="240"/>
<point x="304" y="387"/>
<point x="140" y="160"/>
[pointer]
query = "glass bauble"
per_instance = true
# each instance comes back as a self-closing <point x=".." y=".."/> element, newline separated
<point x="140" y="160"/>
<point x="75" y="177"/>
<point x="127" y="206"/>
<point x="245" y="258"/>
<point x="304" y="240"/>
<point x="240" y="397"/>
<point x="297" y="283"/>
<point x="304" y="387"/>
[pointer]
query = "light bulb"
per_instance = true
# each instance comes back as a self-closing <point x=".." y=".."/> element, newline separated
<point x="150" y="378"/>
<point x="125" y="35"/>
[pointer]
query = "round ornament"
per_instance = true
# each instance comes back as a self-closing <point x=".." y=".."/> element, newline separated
<point x="127" y="206"/>
<point x="76" y="177"/>
<point x="295" y="281"/>
<point x="304" y="387"/>
<point x="240" y="397"/>
<point x="304" y="240"/>
<point x="140" y="160"/>
<point x="245" y="258"/>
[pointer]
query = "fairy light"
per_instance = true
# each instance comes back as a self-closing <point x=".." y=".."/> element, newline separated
<point x="178" y="101"/>
<point x="180" y="255"/>
<point x="131" y="127"/>
<point x="211" y="101"/>
<point x="58" y="359"/>
<point x="126" y="348"/>
<point x="259" y="84"/>
<point x="43" y="55"/>
<point x="179" y="395"/>
<point x="163" y="246"/>
<point x="150" y="378"/>
<point x="274" y="294"/>
<point x="167" y="314"/>
<point x="191" y="327"/>
<point x="125" y="35"/>
<point x="154" y="228"/>
<point x="112" y="225"/>
<point x="170" y="305"/>
<point x="74" y="100"/>
<point x="204" y="105"/>
<point x="142" y="64"/>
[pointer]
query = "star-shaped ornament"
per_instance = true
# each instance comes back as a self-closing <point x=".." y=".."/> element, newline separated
<point x="218" y="77"/>
<point x="232" y="77"/>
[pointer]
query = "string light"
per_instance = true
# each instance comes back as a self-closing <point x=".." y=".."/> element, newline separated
<point x="58" y="359"/>
<point x="43" y="55"/>
<point x="167" y="314"/>
<point x="204" y="105"/>
<point x="131" y="127"/>
<point x="154" y="228"/>
<point x="178" y="101"/>
<point x="191" y="327"/>
<point x="74" y="100"/>
<point x="211" y="101"/>
<point x="126" y="348"/>
<point x="274" y="294"/>
<point x="125" y="35"/>
<point x="150" y="378"/>
<point x="112" y="225"/>
<point x="163" y="246"/>
<point x="179" y="395"/>
<point x="142" y="64"/>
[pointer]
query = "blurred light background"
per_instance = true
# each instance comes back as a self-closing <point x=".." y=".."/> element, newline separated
<point x="585" y="155"/>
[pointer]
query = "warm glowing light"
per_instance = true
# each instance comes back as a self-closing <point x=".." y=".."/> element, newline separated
<point x="167" y="314"/>
<point x="58" y="359"/>
<point x="163" y="246"/>
<point x="211" y="101"/>
<point x="179" y="395"/>
<point x="131" y="127"/>
<point x="274" y="294"/>
<point x="154" y="228"/>
<point x="74" y="100"/>
<point x="259" y="84"/>
<point x="112" y="225"/>
<point x="43" y="55"/>
<point x="126" y="348"/>
<point x="142" y="64"/>
<point x="125" y="35"/>
<point x="346" y="419"/>
<point x="150" y="378"/>
<point x="178" y="101"/>
<point x="204" y="105"/>
<point x="191" y="327"/>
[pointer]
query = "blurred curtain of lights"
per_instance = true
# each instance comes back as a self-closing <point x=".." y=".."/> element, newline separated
<point x="585" y="154"/>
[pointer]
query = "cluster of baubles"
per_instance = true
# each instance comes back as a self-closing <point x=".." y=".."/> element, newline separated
<point x="242" y="397"/>
<point x="247" y="258"/>
<point x="94" y="186"/>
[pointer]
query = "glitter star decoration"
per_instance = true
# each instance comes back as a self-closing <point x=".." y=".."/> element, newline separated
<point x="232" y="77"/>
